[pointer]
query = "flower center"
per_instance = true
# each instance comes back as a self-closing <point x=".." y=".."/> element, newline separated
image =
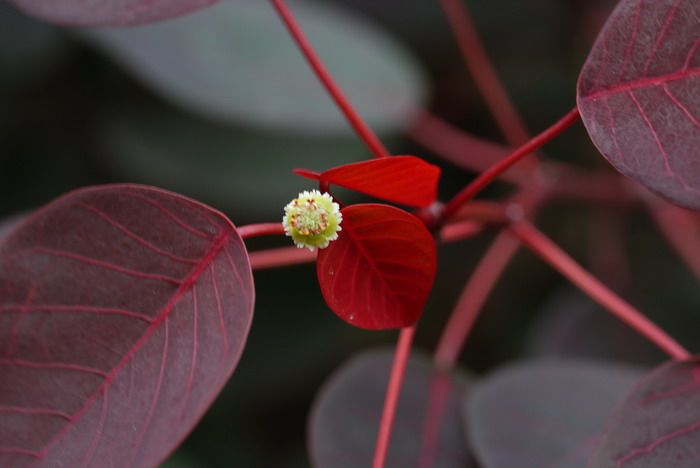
<point x="309" y="217"/>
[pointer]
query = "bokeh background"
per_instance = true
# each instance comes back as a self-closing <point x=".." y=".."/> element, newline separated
<point x="220" y="106"/>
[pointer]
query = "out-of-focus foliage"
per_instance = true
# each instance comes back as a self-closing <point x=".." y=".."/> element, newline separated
<point x="72" y="116"/>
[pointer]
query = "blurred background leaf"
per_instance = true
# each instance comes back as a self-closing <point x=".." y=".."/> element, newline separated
<point x="235" y="62"/>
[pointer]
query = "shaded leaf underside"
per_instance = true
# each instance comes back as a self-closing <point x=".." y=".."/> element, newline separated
<point x="427" y="431"/>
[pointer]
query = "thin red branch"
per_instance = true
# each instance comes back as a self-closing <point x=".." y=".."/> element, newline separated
<point x="488" y="176"/>
<point x="475" y="293"/>
<point x="365" y="133"/>
<point x="262" y="229"/>
<point x="484" y="74"/>
<point x="564" y="264"/>
<point x="286" y="256"/>
<point x="437" y="403"/>
<point x="403" y="350"/>
<point x="280" y="257"/>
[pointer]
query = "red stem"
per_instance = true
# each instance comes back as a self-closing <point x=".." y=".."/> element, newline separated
<point x="364" y="132"/>
<point x="437" y="404"/>
<point x="262" y="229"/>
<point x="483" y="72"/>
<point x="285" y="256"/>
<point x="488" y="176"/>
<point x="475" y="293"/>
<point x="280" y="257"/>
<point x="560" y="261"/>
<point x="403" y="349"/>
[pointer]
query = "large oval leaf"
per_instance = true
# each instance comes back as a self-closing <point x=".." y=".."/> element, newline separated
<point x="345" y="417"/>
<point x="401" y="179"/>
<point x="380" y="270"/>
<point x="108" y="12"/>
<point x="546" y="413"/>
<point x="638" y="95"/>
<point x="236" y="62"/>
<point x="123" y="311"/>
<point x="658" y="423"/>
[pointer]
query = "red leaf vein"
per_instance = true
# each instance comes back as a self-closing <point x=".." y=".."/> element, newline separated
<point x="51" y="365"/>
<point x="661" y="35"/>
<point x="661" y="440"/>
<point x="76" y="308"/>
<point x="137" y="238"/>
<point x="217" y="244"/>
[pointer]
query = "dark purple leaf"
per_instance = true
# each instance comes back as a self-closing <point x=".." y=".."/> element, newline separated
<point x="658" y="423"/>
<point x="108" y="12"/>
<point x="400" y="179"/>
<point x="123" y="311"/>
<point x="545" y="413"/>
<point x="638" y="95"/>
<point x="345" y="418"/>
<point x="380" y="270"/>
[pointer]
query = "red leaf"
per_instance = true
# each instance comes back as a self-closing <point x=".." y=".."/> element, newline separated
<point x="380" y="270"/>
<point x="109" y="12"/>
<point x="544" y="413"/>
<point x="123" y="311"/>
<point x="400" y="179"/>
<point x="428" y="429"/>
<point x="657" y="424"/>
<point x="638" y="98"/>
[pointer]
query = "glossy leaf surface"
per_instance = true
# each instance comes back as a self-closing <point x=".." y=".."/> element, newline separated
<point x="380" y="270"/>
<point x="657" y="424"/>
<point x="108" y="12"/>
<point x="544" y="413"/>
<point x="235" y="62"/>
<point x="427" y="430"/>
<point x="638" y="95"/>
<point x="401" y="179"/>
<point x="123" y="311"/>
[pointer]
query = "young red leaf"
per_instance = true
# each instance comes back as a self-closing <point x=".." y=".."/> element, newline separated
<point x="379" y="272"/>
<point x="108" y="13"/>
<point x="658" y="422"/>
<point x="428" y="430"/>
<point x="123" y="311"/>
<point x="400" y="179"/>
<point x="637" y="95"/>
<point x="544" y="413"/>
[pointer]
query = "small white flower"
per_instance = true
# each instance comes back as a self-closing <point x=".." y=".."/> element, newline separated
<point x="312" y="220"/>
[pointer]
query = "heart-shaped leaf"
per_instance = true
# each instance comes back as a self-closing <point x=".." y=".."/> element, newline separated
<point x="110" y="12"/>
<point x="235" y="62"/>
<point x="123" y="311"/>
<point x="657" y="424"/>
<point x="638" y="95"/>
<point x="401" y="179"/>
<point x="380" y="270"/>
<point x="345" y="417"/>
<point x="544" y="413"/>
